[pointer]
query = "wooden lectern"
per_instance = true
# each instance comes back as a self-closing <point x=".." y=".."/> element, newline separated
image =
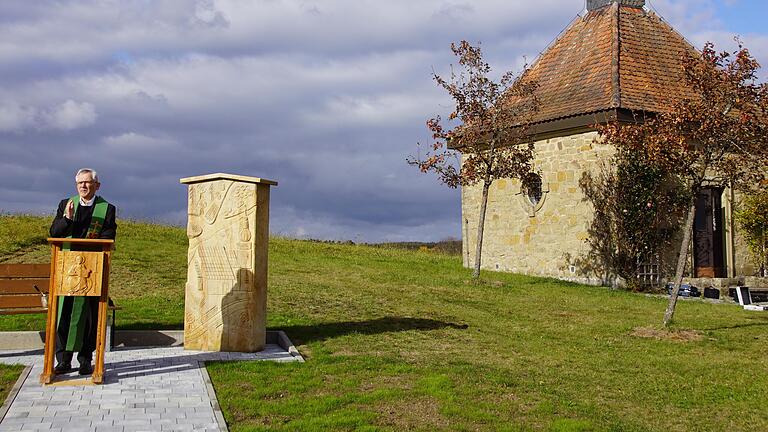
<point x="80" y="272"/>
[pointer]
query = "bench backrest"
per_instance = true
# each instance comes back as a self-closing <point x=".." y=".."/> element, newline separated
<point x="17" y="285"/>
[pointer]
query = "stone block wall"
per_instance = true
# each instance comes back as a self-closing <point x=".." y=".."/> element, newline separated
<point x="538" y="240"/>
<point x="743" y="263"/>
<point x="547" y="239"/>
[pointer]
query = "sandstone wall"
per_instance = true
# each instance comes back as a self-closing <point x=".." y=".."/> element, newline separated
<point x="547" y="239"/>
<point x="538" y="240"/>
<point x="743" y="263"/>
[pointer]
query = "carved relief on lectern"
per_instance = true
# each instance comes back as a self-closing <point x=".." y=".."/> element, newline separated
<point x="79" y="273"/>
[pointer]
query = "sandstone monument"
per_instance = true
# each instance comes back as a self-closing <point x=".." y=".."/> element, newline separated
<point x="226" y="291"/>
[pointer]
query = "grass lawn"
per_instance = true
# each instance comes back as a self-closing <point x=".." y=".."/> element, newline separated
<point x="402" y="340"/>
<point x="8" y="376"/>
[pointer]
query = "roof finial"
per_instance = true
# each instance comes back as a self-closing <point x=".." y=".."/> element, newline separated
<point x="597" y="4"/>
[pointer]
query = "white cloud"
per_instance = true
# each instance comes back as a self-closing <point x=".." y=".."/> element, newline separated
<point x="70" y="115"/>
<point x="135" y="142"/>
<point x="92" y="31"/>
<point x="370" y="110"/>
<point x="67" y="116"/>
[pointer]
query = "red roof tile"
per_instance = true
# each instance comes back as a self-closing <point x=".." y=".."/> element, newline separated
<point x="613" y="57"/>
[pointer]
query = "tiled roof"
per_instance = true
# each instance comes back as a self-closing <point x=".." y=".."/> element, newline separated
<point x="613" y="57"/>
<point x="650" y="62"/>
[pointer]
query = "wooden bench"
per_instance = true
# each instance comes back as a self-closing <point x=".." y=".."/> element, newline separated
<point x="22" y="287"/>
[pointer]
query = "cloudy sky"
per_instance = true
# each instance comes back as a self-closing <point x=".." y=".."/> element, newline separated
<point x="327" y="97"/>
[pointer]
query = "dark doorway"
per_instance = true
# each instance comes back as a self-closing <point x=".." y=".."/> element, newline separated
<point x="708" y="234"/>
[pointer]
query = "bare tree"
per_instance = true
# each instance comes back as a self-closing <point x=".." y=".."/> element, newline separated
<point x="492" y="133"/>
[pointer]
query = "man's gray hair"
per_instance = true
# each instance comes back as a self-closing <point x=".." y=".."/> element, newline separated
<point x="91" y="171"/>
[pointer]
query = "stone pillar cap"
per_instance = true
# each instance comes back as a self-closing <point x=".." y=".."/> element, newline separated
<point x="224" y="176"/>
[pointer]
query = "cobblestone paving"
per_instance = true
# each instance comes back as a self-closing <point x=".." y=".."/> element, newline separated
<point x="145" y="389"/>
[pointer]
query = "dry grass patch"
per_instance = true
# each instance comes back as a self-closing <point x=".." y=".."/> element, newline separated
<point x="412" y="414"/>
<point x="404" y="382"/>
<point x="666" y="334"/>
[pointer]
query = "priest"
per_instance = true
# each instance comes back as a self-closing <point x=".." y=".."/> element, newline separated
<point x="85" y="215"/>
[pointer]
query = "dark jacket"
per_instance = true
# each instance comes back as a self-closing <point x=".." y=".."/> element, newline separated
<point x="78" y="228"/>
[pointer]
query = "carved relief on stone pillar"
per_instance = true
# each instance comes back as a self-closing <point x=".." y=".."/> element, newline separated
<point x="225" y="303"/>
<point x="195" y="209"/>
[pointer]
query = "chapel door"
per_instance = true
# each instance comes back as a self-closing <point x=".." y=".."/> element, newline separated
<point x="708" y="234"/>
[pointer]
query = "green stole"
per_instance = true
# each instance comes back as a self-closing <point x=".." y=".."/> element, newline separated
<point x="78" y="314"/>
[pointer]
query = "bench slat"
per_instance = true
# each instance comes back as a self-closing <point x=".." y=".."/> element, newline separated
<point x="17" y="292"/>
<point x="22" y="311"/>
<point x="20" y="301"/>
<point x="23" y="286"/>
<point x="25" y="270"/>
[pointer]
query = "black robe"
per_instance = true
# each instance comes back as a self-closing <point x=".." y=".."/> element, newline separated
<point x="78" y="228"/>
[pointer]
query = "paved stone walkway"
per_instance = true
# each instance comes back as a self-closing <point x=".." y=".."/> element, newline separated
<point x="145" y="389"/>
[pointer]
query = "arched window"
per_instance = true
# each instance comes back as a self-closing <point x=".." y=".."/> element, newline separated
<point x="532" y="188"/>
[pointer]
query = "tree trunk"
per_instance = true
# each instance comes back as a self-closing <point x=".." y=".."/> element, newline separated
<point x="763" y="257"/>
<point x="480" y="226"/>
<point x="681" y="260"/>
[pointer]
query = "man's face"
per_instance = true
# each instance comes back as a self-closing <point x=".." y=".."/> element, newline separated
<point x="86" y="186"/>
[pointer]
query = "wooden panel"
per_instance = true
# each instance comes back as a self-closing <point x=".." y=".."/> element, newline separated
<point x="102" y="242"/>
<point x="705" y="272"/>
<point x="25" y="270"/>
<point x="708" y="234"/>
<point x="23" y="286"/>
<point x="78" y="273"/>
<point x="20" y="301"/>
<point x="22" y="311"/>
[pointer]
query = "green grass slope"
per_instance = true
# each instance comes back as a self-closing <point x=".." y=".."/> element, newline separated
<point x="402" y="340"/>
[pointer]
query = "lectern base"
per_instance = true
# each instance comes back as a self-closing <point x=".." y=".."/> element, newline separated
<point x="64" y="381"/>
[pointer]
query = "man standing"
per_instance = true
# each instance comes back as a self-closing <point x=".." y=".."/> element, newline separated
<point x="85" y="215"/>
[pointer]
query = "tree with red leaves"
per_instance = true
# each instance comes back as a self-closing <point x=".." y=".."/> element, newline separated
<point x="718" y="136"/>
<point x="492" y="134"/>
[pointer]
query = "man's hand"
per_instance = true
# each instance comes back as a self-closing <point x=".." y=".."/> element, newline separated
<point x="69" y="212"/>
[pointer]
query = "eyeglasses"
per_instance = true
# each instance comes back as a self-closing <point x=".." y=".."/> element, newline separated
<point x="85" y="182"/>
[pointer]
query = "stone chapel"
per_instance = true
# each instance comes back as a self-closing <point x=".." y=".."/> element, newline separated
<point x="617" y="59"/>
